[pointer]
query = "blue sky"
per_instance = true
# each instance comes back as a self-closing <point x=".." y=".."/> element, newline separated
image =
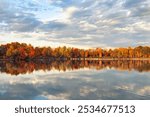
<point x="78" y="23"/>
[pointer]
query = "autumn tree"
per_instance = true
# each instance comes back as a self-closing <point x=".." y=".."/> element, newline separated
<point x="22" y="51"/>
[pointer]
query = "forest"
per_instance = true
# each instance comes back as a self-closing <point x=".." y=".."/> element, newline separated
<point x="23" y="51"/>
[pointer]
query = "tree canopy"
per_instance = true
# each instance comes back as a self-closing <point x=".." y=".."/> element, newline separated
<point x="23" y="51"/>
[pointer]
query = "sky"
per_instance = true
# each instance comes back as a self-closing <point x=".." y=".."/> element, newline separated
<point x="76" y="23"/>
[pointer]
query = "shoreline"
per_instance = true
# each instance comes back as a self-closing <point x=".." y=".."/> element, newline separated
<point x="103" y="59"/>
<point x="78" y="59"/>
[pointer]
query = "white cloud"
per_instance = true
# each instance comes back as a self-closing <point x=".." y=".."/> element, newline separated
<point x="84" y="25"/>
<point x="142" y="26"/>
<point x="80" y="23"/>
<point x="68" y="12"/>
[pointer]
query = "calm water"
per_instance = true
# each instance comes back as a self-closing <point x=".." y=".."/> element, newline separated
<point x="102" y="80"/>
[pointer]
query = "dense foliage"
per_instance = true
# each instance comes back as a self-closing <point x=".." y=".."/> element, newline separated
<point x="22" y="51"/>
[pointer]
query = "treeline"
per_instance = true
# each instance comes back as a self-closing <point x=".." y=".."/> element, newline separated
<point x="22" y="51"/>
<point x="23" y="67"/>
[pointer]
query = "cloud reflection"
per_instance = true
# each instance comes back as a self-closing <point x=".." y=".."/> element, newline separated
<point x="74" y="85"/>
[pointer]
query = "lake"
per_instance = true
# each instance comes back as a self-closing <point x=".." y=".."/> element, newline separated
<point x="75" y="80"/>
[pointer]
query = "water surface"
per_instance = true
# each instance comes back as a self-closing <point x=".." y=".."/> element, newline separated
<point x="102" y="80"/>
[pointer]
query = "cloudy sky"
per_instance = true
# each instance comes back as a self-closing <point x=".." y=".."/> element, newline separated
<point x="78" y="23"/>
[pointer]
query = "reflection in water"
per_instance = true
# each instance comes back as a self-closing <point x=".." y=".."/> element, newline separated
<point x="22" y="67"/>
<point x="94" y="83"/>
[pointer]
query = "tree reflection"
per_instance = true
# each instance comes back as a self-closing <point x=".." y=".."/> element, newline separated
<point x="22" y="67"/>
